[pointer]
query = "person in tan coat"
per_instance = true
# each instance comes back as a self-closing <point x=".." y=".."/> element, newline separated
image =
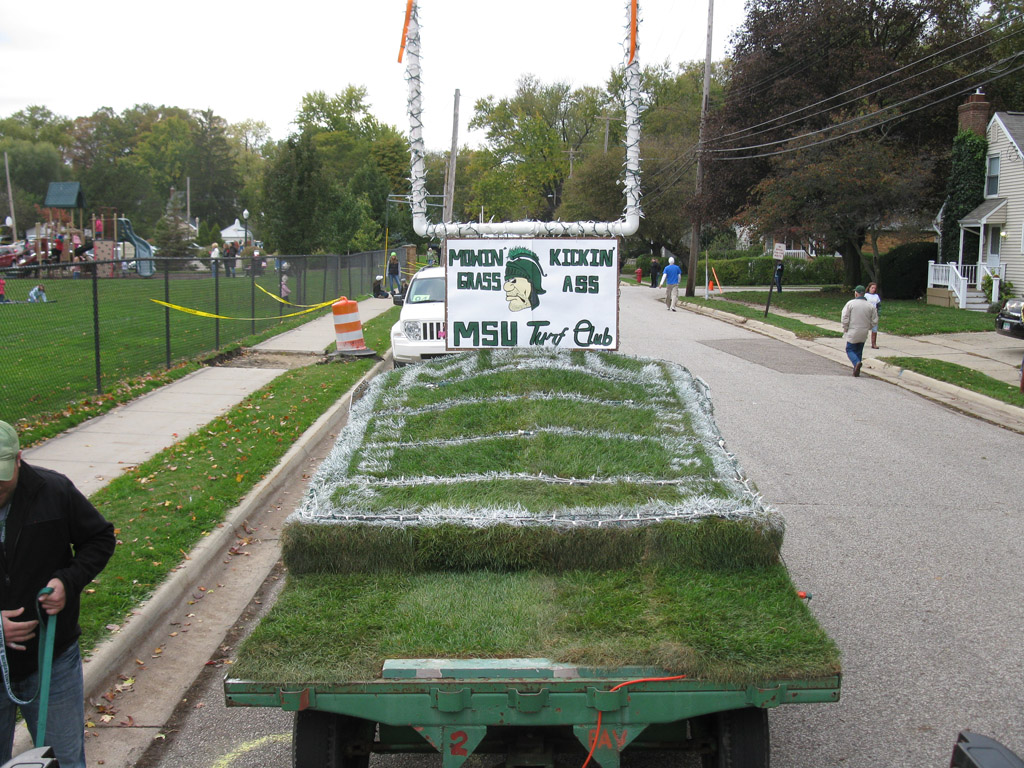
<point x="859" y="315"/>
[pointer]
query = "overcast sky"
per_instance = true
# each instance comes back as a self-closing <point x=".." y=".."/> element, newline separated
<point x="257" y="60"/>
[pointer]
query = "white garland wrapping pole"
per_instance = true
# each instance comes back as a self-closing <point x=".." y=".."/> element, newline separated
<point x="627" y="225"/>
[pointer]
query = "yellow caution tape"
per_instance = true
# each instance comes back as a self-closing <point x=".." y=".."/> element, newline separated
<point x="200" y="313"/>
<point x="275" y="297"/>
<point x="307" y="308"/>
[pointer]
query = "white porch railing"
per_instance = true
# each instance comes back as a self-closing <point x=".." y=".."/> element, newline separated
<point x="997" y="275"/>
<point x="959" y="277"/>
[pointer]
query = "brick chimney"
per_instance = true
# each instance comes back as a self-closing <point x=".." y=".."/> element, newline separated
<point x="973" y="113"/>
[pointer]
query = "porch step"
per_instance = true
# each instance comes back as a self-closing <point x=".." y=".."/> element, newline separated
<point x="977" y="301"/>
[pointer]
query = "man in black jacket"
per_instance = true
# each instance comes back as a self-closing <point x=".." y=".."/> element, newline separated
<point x="50" y="536"/>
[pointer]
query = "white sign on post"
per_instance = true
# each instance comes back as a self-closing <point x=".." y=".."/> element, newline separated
<point x="543" y="292"/>
<point x="779" y="252"/>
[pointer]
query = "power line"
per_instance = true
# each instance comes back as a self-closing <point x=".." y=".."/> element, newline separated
<point x="750" y="130"/>
<point x="880" y="122"/>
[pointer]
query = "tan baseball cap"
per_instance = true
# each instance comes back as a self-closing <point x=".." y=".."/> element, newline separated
<point x="9" y="448"/>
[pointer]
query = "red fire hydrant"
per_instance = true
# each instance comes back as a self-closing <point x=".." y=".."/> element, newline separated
<point x="639" y="275"/>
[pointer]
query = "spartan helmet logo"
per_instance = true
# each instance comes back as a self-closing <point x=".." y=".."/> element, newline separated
<point x="522" y="280"/>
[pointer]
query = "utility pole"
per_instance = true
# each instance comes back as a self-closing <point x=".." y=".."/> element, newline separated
<point x="10" y="200"/>
<point x="449" y="187"/>
<point x="695" y="226"/>
<point x="572" y="155"/>
<point x="607" y="122"/>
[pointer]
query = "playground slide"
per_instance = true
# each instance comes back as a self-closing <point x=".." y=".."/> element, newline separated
<point x="144" y="264"/>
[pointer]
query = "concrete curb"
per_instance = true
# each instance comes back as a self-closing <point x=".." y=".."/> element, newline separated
<point x="970" y="403"/>
<point x="101" y="669"/>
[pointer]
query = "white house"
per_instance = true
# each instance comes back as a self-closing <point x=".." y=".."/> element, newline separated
<point x="236" y="233"/>
<point x="998" y="221"/>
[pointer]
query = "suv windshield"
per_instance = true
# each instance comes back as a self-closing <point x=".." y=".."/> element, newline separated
<point x="425" y="289"/>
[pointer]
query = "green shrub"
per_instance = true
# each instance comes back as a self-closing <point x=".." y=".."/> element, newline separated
<point x="903" y="271"/>
<point x="759" y="270"/>
<point x="1006" y="289"/>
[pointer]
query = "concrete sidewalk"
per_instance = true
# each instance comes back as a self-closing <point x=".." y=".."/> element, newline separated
<point x="99" y="450"/>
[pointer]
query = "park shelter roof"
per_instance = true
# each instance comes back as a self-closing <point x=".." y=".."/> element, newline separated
<point x="64" y="194"/>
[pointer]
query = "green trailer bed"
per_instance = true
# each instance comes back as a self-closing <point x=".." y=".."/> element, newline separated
<point x="528" y="552"/>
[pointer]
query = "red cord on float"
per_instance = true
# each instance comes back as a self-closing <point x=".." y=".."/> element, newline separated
<point x="597" y="733"/>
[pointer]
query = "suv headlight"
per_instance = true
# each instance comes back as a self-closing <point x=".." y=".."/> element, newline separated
<point x="412" y="330"/>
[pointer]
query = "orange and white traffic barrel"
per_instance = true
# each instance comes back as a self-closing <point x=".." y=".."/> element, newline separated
<point x="348" y="331"/>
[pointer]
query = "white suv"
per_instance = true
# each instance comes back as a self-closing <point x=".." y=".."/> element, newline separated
<point x="419" y="333"/>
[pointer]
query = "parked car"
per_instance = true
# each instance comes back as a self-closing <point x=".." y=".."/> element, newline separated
<point x="1010" y="320"/>
<point x="419" y="333"/>
<point x="11" y="254"/>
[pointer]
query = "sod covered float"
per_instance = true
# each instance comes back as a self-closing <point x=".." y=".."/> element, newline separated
<point x="579" y="508"/>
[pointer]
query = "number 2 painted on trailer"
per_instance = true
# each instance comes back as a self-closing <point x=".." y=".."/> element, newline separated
<point x="459" y="739"/>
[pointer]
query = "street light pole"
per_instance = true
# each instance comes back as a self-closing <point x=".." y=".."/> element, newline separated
<point x="245" y="220"/>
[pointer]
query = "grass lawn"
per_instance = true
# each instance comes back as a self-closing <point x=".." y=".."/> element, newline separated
<point x="968" y="378"/>
<point x="574" y="506"/>
<point x="48" y="351"/>
<point x="798" y="327"/>
<point x="900" y="318"/>
<point x="161" y="509"/>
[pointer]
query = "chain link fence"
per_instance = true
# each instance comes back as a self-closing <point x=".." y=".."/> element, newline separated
<point x="99" y="324"/>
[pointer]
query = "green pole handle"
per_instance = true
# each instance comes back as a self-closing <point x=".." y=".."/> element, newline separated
<point x="47" y="634"/>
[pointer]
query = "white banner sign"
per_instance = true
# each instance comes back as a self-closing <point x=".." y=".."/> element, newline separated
<point x="532" y="293"/>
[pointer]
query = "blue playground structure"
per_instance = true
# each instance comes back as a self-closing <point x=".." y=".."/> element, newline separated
<point x="144" y="263"/>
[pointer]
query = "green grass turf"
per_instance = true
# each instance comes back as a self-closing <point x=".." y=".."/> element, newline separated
<point x="561" y="455"/>
<point x="709" y="543"/>
<point x="535" y="496"/>
<point x="382" y="563"/>
<point x="741" y="626"/>
<point x="477" y="419"/>
<point x="522" y="383"/>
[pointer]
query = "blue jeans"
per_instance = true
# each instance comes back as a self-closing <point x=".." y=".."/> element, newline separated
<point x="394" y="284"/>
<point x="855" y="351"/>
<point x="65" y="717"/>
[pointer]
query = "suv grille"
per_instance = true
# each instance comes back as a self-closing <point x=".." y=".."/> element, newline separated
<point x="433" y="331"/>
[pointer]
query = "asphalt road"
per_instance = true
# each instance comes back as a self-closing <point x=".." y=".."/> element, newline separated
<point x="902" y="522"/>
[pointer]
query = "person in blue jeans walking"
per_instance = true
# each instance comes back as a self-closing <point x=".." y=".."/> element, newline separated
<point x="394" y="274"/>
<point x="50" y="536"/>
<point x="859" y="315"/>
<point x="670" y="279"/>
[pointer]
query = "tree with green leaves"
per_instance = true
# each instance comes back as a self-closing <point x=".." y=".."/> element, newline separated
<point x="213" y="170"/>
<point x="839" y="195"/>
<point x="801" y="70"/>
<point x="33" y="165"/>
<point x="172" y="235"/>
<point x="37" y="124"/>
<point x="537" y="134"/>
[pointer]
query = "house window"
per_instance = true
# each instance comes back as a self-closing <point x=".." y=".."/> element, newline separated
<point x="992" y="177"/>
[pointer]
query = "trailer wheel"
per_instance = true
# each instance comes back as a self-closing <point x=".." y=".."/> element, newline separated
<point x="741" y="739"/>
<point x="325" y="740"/>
